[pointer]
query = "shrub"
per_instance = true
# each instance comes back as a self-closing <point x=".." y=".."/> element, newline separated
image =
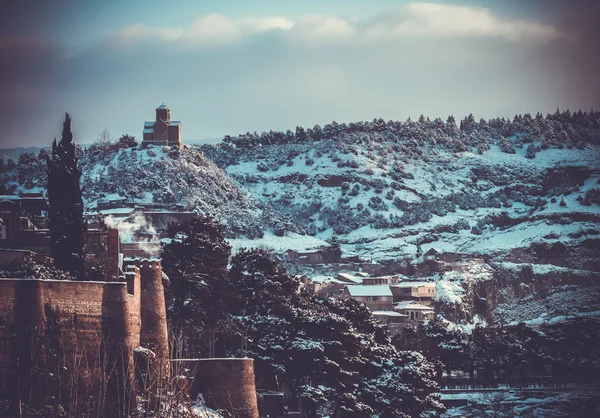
<point x="376" y="203"/>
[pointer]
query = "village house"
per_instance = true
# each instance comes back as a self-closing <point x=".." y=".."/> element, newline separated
<point x="163" y="131"/>
<point x="23" y="222"/>
<point x="420" y="291"/>
<point x="316" y="256"/>
<point x="349" y="278"/>
<point x="375" y="297"/>
<point x="393" y="321"/>
<point x="368" y="266"/>
<point x="416" y="313"/>
<point x="387" y="280"/>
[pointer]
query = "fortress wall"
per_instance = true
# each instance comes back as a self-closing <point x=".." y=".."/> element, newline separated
<point x="154" y="370"/>
<point x="153" y="331"/>
<point x="227" y="384"/>
<point x="63" y="336"/>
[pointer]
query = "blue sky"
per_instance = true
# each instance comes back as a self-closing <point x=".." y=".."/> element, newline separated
<point x="227" y="67"/>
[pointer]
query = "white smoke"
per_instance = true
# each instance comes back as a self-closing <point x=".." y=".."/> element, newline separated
<point x="136" y="229"/>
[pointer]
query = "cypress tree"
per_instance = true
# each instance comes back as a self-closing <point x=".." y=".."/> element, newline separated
<point x="65" y="213"/>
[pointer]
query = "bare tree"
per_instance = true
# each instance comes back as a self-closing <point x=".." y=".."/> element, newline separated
<point x="104" y="139"/>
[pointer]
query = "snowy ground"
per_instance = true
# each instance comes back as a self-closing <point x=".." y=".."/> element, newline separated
<point x="582" y="403"/>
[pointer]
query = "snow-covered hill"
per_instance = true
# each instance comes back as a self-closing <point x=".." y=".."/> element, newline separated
<point x="170" y="176"/>
<point x="393" y="204"/>
<point x="526" y="192"/>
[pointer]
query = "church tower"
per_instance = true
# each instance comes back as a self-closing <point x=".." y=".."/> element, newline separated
<point x="163" y="113"/>
<point x="162" y="131"/>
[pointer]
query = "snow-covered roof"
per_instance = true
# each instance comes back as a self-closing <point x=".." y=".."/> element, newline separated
<point x="116" y="211"/>
<point x="414" y="284"/>
<point x="401" y="306"/>
<point x="149" y="123"/>
<point x="323" y="279"/>
<point x="148" y="131"/>
<point x="162" y="107"/>
<point x="349" y="278"/>
<point x="375" y="290"/>
<point x="388" y="313"/>
<point x="175" y="123"/>
<point x="17" y="197"/>
<point x="431" y="251"/>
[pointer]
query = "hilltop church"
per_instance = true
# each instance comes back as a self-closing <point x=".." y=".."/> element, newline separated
<point x="162" y="131"/>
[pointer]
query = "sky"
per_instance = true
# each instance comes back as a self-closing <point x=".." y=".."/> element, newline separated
<point x="228" y="67"/>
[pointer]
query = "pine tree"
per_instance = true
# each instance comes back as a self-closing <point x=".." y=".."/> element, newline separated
<point x="65" y="213"/>
<point x="196" y="263"/>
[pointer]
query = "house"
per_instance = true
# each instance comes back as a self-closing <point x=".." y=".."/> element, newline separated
<point x="392" y="320"/>
<point x="388" y="280"/>
<point x="430" y="254"/>
<point x="349" y="278"/>
<point x="369" y="266"/>
<point x="316" y="256"/>
<point x="376" y="297"/>
<point x="163" y="131"/>
<point x="407" y="290"/>
<point x="23" y="223"/>
<point x="415" y="312"/>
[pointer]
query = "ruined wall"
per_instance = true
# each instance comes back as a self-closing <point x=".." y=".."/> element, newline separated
<point x="71" y="340"/>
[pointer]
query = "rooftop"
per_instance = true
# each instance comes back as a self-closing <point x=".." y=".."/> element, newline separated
<point x="401" y="306"/>
<point x="414" y="284"/>
<point x="388" y="313"/>
<point x="374" y="290"/>
<point x="349" y="278"/>
<point x="162" y="107"/>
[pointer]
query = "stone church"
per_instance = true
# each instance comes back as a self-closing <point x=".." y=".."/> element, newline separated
<point x="163" y="131"/>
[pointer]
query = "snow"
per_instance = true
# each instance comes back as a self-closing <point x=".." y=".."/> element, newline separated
<point x="369" y="290"/>
<point x="407" y="284"/>
<point x="410" y="305"/>
<point x="450" y="291"/>
<point x="349" y="278"/>
<point x="291" y="241"/>
<point x="388" y="313"/>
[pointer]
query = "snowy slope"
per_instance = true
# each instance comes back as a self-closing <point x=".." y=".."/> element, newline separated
<point x="525" y="193"/>
<point x="187" y="178"/>
<point x="455" y="202"/>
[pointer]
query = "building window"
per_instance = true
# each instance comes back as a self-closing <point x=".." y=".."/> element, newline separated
<point x="373" y="298"/>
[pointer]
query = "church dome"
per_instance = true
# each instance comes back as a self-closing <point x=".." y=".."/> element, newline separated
<point x="162" y="107"/>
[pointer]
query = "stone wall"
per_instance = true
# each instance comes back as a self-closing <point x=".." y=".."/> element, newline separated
<point x="69" y="340"/>
<point x="227" y="384"/>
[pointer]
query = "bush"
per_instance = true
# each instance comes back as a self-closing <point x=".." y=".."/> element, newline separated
<point x="376" y="203"/>
<point x="476" y="230"/>
<point x="309" y="161"/>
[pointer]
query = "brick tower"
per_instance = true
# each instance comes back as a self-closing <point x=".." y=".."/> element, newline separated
<point x="163" y="131"/>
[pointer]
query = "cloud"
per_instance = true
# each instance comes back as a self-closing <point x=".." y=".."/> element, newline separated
<point x="414" y="20"/>
<point x="324" y="28"/>
<point x="440" y="20"/>
<point x="223" y="75"/>
<point x="139" y="32"/>
<point x="211" y="30"/>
